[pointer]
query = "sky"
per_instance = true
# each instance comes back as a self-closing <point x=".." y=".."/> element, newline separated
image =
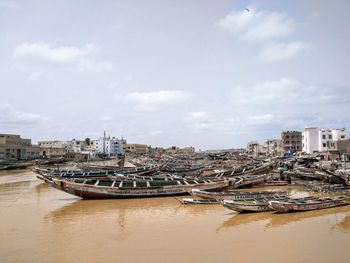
<point x="211" y="74"/>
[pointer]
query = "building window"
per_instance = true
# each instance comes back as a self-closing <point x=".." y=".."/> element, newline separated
<point x="329" y="136"/>
<point x="324" y="136"/>
<point x="324" y="145"/>
<point x="342" y="137"/>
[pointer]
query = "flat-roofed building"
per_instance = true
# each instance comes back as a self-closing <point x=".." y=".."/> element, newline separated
<point x="291" y="141"/>
<point x="12" y="146"/>
<point x="137" y="148"/>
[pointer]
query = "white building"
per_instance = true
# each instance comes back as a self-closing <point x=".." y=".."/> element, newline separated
<point x="310" y="140"/>
<point x="73" y="146"/>
<point x="315" y="139"/>
<point x="109" y="146"/>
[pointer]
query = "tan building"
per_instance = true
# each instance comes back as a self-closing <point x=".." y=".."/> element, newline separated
<point x="137" y="148"/>
<point x="52" y="152"/>
<point x="291" y="141"/>
<point x="13" y="146"/>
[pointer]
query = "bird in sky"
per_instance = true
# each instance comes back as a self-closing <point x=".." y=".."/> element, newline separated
<point x="247" y="10"/>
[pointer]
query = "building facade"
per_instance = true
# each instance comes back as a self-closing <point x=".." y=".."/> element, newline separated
<point x="137" y="148"/>
<point x="291" y="141"/>
<point x="321" y="140"/>
<point x="14" y="147"/>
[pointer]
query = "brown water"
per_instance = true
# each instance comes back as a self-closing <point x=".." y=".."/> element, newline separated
<point x="42" y="224"/>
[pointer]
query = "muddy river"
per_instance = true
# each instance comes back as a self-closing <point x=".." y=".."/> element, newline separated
<point x="42" y="224"/>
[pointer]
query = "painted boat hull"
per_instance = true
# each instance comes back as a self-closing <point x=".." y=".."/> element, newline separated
<point x="101" y="192"/>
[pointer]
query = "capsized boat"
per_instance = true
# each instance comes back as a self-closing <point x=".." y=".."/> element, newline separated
<point x="107" y="188"/>
<point x="233" y="195"/>
<point x="309" y="204"/>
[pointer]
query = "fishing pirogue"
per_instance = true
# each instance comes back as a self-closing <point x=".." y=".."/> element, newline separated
<point x="309" y="204"/>
<point x="105" y="189"/>
<point x="237" y="195"/>
<point x="255" y="204"/>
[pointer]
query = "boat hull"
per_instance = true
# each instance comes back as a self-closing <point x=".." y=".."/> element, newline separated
<point x="285" y="207"/>
<point x="100" y="192"/>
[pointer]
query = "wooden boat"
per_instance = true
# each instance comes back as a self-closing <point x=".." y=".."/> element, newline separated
<point x="197" y="201"/>
<point x="248" y="180"/>
<point x="250" y="169"/>
<point x="104" y="189"/>
<point x="254" y="205"/>
<point x="274" y="183"/>
<point x="237" y="195"/>
<point x="310" y="204"/>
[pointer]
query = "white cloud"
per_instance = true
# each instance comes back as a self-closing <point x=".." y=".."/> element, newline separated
<point x="263" y="119"/>
<point x="9" y="115"/>
<point x="60" y="54"/>
<point x="81" y="57"/>
<point x="199" y="120"/>
<point x="95" y="66"/>
<point x="282" y="51"/>
<point x="155" y="132"/>
<point x="256" y="25"/>
<point x="286" y="102"/>
<point x="150" y="101"/>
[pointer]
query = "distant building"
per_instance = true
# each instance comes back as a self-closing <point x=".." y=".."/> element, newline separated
<point x="272" y="148"/>
<point x="52" y="144"/>
<point x="13" y="146"/>
<point x="109" y="146"/>
<point x="137" y="148"/>
<point x="291" y="141"/>
<point x="52" y="152"/>
<point x="255" y="149"/>
<point x="321" y="140"/>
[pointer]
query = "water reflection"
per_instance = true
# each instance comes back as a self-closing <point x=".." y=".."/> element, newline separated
<point x="276" y="219"/>
<point x="343" y="225"/>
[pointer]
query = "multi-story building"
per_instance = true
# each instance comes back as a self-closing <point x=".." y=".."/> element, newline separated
<point x="291" y="141"/>
<point x="315" y="139"/>
<point x="13" y="146"/>
<point x="310" y="140"/>
<point x="271" y="146"/>
<point x="74" y="146"/>
<point x="109" y="146"/>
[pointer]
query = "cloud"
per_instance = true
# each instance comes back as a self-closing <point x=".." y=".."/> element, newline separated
<point x="10" y="116"/>
<point x="289" y="103"/>
<point x="61" y="54"/>
<point x="282" y="51"/>
<point x="95" y="66"/>
<point x="257" y="25"/>
<point x="155" y="133"/>
<point x="151" y="101"/>
<point x="199" y="121"/>
<point x="81" y="57"/>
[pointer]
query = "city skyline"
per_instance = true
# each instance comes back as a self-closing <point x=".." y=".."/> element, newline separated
<point x="212" y="75"/>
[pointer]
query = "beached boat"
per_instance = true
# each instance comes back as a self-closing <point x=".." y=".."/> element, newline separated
<point x="231" y="195"/>
<point x="255" y="205"/>
<point x="104" y="189"/>
<point x="197" y="201"/>
<point x="274" y="183"/>
<point x="309" y="204"/>
<point x="247" y="170"/>
<point x="248" y="180"/>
